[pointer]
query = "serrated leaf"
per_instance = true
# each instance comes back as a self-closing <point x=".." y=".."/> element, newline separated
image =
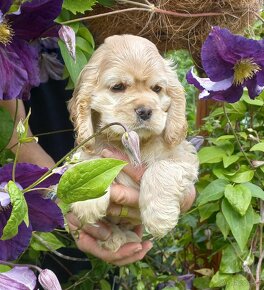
<point x="255" y="190"/>
<point x="240" y="226"/>
<point x="228" y="160"/>
<point x="73" y="68"/>
<point x="207" y="210"/>
<point x="219" y="280"/>
<point x="19" y="211"/>
<point x="49" y="238"/>
<point x="88" y="179"/>
<point x="213" y="191"/>
<point x="237" y="282"/>
<point x="6" y="127"/>
<point x="239" y="196"/>
<point x="230" y="262"/>
<point x="211" y="154"/>
<point x="78" y="5"/>
<point x="258" y="147"/>
<point x="222" y="224"/>
<point x="242" y="177"/>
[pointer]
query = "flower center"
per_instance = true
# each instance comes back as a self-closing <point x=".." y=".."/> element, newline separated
<point x="6" y="33"/>
<point x="244" y="69"/>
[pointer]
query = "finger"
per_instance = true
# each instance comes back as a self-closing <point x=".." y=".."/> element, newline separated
<point x="146" y="246"/>
<point x="88" y="244"/>
<point x="135" y="172"/>
<point x="188" y="199"/>
<point x="115" y="210"/>
<point x="99" y="231"/>
<point x="73" y="222"/>
<point x="124" y="195"/>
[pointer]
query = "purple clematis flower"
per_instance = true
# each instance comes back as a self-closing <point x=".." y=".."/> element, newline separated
<point x="44" y="214"/>
<point x="231" y="62"/>
<point x="19" y="68"/>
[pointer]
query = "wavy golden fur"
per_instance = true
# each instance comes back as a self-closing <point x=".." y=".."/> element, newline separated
<point x="128" y="81"/>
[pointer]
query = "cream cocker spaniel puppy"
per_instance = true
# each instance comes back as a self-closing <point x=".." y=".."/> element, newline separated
<point x="128" y="81"/>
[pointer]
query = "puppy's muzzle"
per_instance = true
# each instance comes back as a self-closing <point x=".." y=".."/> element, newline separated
<point x="143" y="113"/>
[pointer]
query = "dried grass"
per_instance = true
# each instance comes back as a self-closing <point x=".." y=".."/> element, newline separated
<point x="175" y="32"/>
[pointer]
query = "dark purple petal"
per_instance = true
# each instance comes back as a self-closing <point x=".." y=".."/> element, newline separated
<point x="231" y="95"/>
<point x="260" y="78"/>
<point x="214" y="65"/>
<point x="50" y="67"/>
<point x="44" y="214"/>
<point x="37" y="19"/>
<point x="11" y="249"/>
<point x="26" y="174"/>
<point x="21" y="278"/>
<point x="18" y="69"/>
<point x="5" y="5"/>
<point x="207" y="84"/>
<point x="254" y="89"/>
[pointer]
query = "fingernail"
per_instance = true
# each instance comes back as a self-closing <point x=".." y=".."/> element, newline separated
<point x="104" y="233"/>
<point x="138" y="249"/>
<point x="107" y="153"/>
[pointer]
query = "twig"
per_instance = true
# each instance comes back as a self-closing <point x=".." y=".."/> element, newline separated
<point x="44" y="243"/>
<point x="104" y="14"/>
<point x="50" y="171"/>
<point x="258" y="270"/>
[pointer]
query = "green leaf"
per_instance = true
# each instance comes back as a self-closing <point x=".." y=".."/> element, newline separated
<point x="104" y="285"/>
<point x="19" y="211"/>
<point x="107" y="3"/>
<point x="201" y="282"/>
<point x="6" y="127"/>
<point x="237" y="282"/>
<point x="240" y="226"/>
<point x="225" y="137"/>
<point x="222" y="224"/>
<point x="219" y="280"/>
<point x="84" y="45"/>
<point x="255" y="190"/>
<point x="207" y="210"/>
<point x="256" y="102"/>
<point x="88" y="179"/>
<point x="241" y="177"/>
<point x="228" y="160"/>
<point x="213" y="191"/>
<point x="4" y="268"/>
<point x="49" y="238"/>
<point x="73" y="68"/>
<point x="86" y="34"/>
<point x="230" y="262"/>
<point x="211" y="154"/>
<point x="239" y="196"/>
<point x="258" y="147"/>
<point x="78" y="5"/>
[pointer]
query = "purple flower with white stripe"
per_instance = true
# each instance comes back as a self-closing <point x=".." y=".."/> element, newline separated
<point x="232" y="63"/>
<point x="44" y="214"/>
<point x="19" y="57"/>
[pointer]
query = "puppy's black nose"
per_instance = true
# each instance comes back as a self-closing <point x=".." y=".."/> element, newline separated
<point x="143" y="113"/>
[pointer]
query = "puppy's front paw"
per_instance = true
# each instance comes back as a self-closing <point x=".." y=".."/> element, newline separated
<point x="92" y="210"/>
<point x="118" y="238"/>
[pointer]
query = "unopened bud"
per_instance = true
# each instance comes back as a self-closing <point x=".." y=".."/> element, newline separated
<point x="257" y="163"/>
<point x="67" y="34"/>
<point x="49" y="280"/>
<point x="130" y="141"/>
<point x="20" y="128"/>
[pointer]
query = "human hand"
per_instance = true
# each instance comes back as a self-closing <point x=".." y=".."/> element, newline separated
<point x="120" y="196"/>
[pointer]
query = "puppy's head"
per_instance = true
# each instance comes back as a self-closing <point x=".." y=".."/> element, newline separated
<point x="128" y="81"/>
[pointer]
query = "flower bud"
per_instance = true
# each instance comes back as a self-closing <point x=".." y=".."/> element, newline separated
<point x="49" y="280"/>
<point x="20" y="128"/>
<point x="257" y="163"/>
<point x="67" y="34"/>
<point x="130" y="141"/>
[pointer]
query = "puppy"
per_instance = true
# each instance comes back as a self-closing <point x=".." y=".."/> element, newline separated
<point x="128" y="81"/>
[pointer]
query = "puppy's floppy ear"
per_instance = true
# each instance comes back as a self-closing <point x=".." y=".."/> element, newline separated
<point x="176" y="125"/>
<point x="79" y="105"/>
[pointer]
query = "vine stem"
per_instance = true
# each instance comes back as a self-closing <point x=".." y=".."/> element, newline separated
<point x="15" y="162"/>
<point x="49" y="172"/>
<point x="20" y="265"/>
<point x="65" y="257"/>
<point x="151" y="8"/>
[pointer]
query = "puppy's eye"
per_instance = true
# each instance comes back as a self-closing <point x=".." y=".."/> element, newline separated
<point x="156" y="89"/>
<point x="118" y="88"/>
